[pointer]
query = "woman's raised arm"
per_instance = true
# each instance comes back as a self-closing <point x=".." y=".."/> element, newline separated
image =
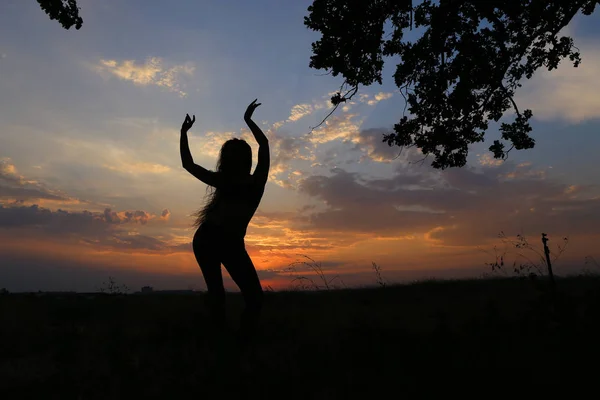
<point x="206" y="176"/>
<point x="258" y="134"/>
<point x="261" y="173"/>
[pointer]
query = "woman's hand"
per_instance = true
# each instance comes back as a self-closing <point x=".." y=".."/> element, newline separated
<point x="187" y="123"/>
<point x="250" y="110"/>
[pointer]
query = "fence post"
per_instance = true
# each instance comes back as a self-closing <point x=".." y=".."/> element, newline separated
<point x="548" y="263"/>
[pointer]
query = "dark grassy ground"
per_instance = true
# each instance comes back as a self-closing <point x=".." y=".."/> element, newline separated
<point x="394" y="341"/>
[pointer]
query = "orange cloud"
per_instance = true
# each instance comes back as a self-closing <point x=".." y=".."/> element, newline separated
<point x="487" y="160"/>
<point x="165" y="215"/>
<point x="16" y="188"/>
<point x="299" y="111"/>
<point x="151" y="72"/>
<point x="377" y="98"/>
<point x="138" y="168"/>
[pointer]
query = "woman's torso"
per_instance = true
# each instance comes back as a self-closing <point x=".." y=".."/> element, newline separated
<point x="235" y="206"/>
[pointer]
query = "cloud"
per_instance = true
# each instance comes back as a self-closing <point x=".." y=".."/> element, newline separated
<point x="151" y="72"/>
<point x="139" y="168"/>
<point x="453" y="207"/>
<point x="300" y="110"/>
<point x="377" y="98"/>
<point x="284" y="235"/>
<point x="17" y="188"/>
<point x="486" y="160"/>
<point x="124" y="217"/>
<point x="126" y="158"/>
<point x="277" y="125"/>
<point x="8" y="173"/>
<point x="566" y="93"/>
<point x="25" y="213"/>
<point x="347" y="129"/>
<point x="371" y="141"/>
<point x="109" y="229"/>
<point x="213" y="141"/>
<point x="343" y="127"/>
<point x="292" y="157"/>
<point x="357" y="205"/>
<point x="286" y="149"/>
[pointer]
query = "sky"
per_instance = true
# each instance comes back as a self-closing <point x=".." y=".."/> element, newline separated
<point x="91" y="183"/>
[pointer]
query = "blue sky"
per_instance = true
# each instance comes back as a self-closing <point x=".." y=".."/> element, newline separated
<point x="89" y="121"/>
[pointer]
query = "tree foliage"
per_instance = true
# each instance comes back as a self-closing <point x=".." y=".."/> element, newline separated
<point x="460" y="75"/>
<point x="65" y="11"/>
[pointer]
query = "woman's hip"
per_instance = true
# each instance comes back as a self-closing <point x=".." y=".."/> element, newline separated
<point x="211" y="234"/>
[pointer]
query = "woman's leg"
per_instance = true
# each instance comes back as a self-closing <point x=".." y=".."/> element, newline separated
<point x="241" y="269"/>
<point x="207" y="255"/>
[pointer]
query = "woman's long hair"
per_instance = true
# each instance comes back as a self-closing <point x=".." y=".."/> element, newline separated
<point x="235" y="161"/>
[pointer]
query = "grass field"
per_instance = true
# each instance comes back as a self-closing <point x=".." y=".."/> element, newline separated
<point x="393" y="341"/>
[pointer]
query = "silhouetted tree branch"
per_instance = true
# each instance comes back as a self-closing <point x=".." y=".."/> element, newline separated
<point x="336" y="100"/>
<point x="65" y="11"/>
<point x="462" y="72"/>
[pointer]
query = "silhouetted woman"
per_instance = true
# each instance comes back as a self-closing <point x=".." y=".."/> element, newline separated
<point x="223" y="221"/>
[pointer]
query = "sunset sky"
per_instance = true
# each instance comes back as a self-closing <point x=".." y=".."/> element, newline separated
<point x="91" y="183"/>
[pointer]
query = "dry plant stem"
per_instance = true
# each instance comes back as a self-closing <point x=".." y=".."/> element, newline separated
<point x="316" y="268"/>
